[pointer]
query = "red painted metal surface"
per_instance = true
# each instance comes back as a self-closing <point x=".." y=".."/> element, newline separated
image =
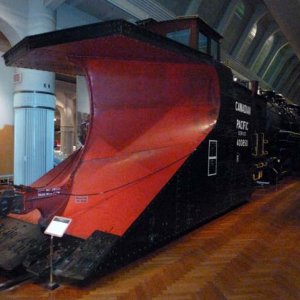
<point x="147" y="118"/>
<point x="150" y="108"/>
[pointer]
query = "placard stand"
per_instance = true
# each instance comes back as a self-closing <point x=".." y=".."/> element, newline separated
<point x="57" y="227"/>
<point x="51" y="284"/>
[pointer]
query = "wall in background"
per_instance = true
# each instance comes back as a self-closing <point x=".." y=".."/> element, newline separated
<point x="6" y="119"/>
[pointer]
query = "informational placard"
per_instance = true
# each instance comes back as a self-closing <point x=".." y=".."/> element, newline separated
<point x="58" y="226"/>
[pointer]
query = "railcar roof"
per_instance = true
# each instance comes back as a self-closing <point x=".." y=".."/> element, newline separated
<point x="58" y="50"/>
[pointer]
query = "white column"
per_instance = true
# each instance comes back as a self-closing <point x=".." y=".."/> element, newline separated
<point x="34" y="104"/>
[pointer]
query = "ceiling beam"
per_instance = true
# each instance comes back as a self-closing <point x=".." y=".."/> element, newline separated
<point x="193" y="7"/>
<point x="292" y="79"/>
<point x="143" y="9"/>
<point x="283" y="56"/>
<point x="254" y="55"/>
<point x="297" y="96"/>
<point x="260" y="11"/>
<point x="276" y="47"/>
<point x="227" y="15"/>
<point x="294" y="85"/>
<point x="287" y="70"/>
<point x="53" y="4"/>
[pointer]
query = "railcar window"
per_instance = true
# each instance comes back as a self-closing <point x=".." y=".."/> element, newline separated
<point x="181" y="36"/>
<point x="212" y="157"/>
<point x="214" y="49"/>
<point x="203" y="43"/>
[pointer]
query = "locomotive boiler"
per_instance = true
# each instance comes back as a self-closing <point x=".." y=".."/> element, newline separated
<point x="172" y="143"/>
<point x="276" y="138"/>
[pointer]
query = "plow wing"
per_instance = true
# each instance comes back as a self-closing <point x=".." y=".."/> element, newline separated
<point x="153" y="102"/>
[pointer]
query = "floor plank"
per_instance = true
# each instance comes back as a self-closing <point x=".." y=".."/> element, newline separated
<point x="250" y="253"/>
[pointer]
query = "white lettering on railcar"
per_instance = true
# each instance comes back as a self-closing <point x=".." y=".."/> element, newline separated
<point x="241" y="125"/>
<point x="242" y="143"/>
<point x="243" y="108"/>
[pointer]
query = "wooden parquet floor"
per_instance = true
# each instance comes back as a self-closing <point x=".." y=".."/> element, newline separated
<point x="251" y="253"/>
